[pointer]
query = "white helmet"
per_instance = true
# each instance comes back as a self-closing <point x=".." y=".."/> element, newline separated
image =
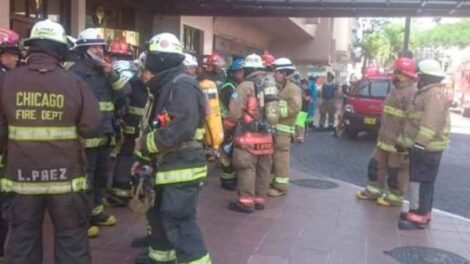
<point x="165" y="42"/>
<point x="189" y="60"/>
<point x="430" y="67"/>
<point x="283" y="64"/>
<point x="90" y="37"/>
<point x="48" y="30"/>
<point x="253" y="61"/>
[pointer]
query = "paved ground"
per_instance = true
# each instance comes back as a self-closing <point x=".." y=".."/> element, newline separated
<point x="312" y="225"/>
<point x="307" y="226"/>
<point x="347" y="160"/>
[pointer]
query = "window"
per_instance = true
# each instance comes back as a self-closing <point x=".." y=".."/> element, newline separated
<point x="375" y="88"/>
<point x="192" y="40"/>
<point x="24" y="13"/>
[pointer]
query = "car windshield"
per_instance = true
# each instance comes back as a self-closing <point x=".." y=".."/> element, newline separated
<point x="375" y="88"/>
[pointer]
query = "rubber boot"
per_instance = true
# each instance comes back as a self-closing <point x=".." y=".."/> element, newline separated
<point x="275" y="193"/>
<point x="93" y="231"/>
<point x="228" y="185"/>
<point x="390" y="200"/>
<point x="366" y="195"/>
<point x="414" y="222"/>
<point x="100" y="218"/>
<point x="244" y="204"/>
<point x="113" y="200"/>
<point x="141" y="242"/>
<point x="259" y="203"/>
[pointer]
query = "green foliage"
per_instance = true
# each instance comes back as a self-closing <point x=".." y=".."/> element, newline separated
<point x="444" y="36"/>
<point x="384" y="45"/>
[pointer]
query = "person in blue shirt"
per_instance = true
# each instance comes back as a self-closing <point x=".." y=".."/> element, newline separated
<point x="328" y="95"/>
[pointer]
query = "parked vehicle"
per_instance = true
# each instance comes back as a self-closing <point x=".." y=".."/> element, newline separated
<point x="461" y="89"/>
<point x="364" y="105"/>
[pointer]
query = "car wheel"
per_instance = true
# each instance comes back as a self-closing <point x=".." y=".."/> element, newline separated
<point x="351" y="133"/>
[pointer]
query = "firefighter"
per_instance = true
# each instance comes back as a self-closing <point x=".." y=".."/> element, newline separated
<point x="253" y="111"/>
<point x="9" y="58"/>
<point x="390" y="160"/>
<point x="174" y="147"/>
<point x="191" y="64"/>
<point x="106" y="85"/>
<point x="215" y="69"/>
<point x="132" y="118"/>
<point x="268" y="60"/>
<point x="327" y="107"/>
<point x="426" y="134"/>
<point x="236" y="76"/>
<point x="290" y="103"/>
<point x="51" y="111"/>
<point x="9" y="49"/>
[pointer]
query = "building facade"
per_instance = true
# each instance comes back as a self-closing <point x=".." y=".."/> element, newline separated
<point x="308" y="42"/>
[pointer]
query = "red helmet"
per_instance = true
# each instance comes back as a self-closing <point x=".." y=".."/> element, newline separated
<point x="268" y="59"/>
<point x="119" y="46"/>
<point x="406" y="66"/>
<point x="9" y="40"/>
<point x="215" y="60"/>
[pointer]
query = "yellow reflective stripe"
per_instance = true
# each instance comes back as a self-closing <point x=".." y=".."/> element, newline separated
<point x="129" y="129"/>
<point x="394" y="111"/>
<point x="394" y="198"/>
<point x="119" y="84"/>
<point x="206" y="259"/>
<point x="182" y="175"/>
<point x="106" y="106"/>
<point x="199" y="134"/>
<point x="281" y="180"/>
<point x="98" y="210"/>
<point x="437" y="145"/>
<point x="139" y="155"/>
<point x="285" y="129"/>
<point x="121" y="192"/>
<point x="140" y="111"/>
<point x="150" y="142"/>
<point x="283" y="108"/>
<point x="405" y="141"/>
<point x="162" y="255"/>
<point x="96" y="142"/>
<point x="415" y="115"/>
<point x="42" y="133"/>
<point x="228" y="175"/>
<point x="32" y="188"/>
<point x="372" y="188"/>
<point x="387" y="147"/>
<point x="426" y="132"/>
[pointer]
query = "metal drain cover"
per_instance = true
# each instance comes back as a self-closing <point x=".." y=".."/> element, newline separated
<point x="315" y="183"/>
<point x="425" y="255"/>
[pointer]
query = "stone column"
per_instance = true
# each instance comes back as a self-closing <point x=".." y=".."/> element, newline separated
<point x="5" y="13"/>
<point x="78" y="16"/>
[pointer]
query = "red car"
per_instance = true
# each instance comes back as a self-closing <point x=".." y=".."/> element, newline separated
<point x="364" y="105"/>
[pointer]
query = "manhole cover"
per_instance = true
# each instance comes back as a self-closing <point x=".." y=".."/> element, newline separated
<point x="425" y="255"/>
<point x="315" y="183"/>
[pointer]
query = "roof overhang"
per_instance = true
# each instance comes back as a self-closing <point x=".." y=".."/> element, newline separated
<point x="310" y="8"/>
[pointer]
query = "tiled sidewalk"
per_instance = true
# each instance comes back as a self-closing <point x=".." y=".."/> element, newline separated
<point x="306" y="226"/>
